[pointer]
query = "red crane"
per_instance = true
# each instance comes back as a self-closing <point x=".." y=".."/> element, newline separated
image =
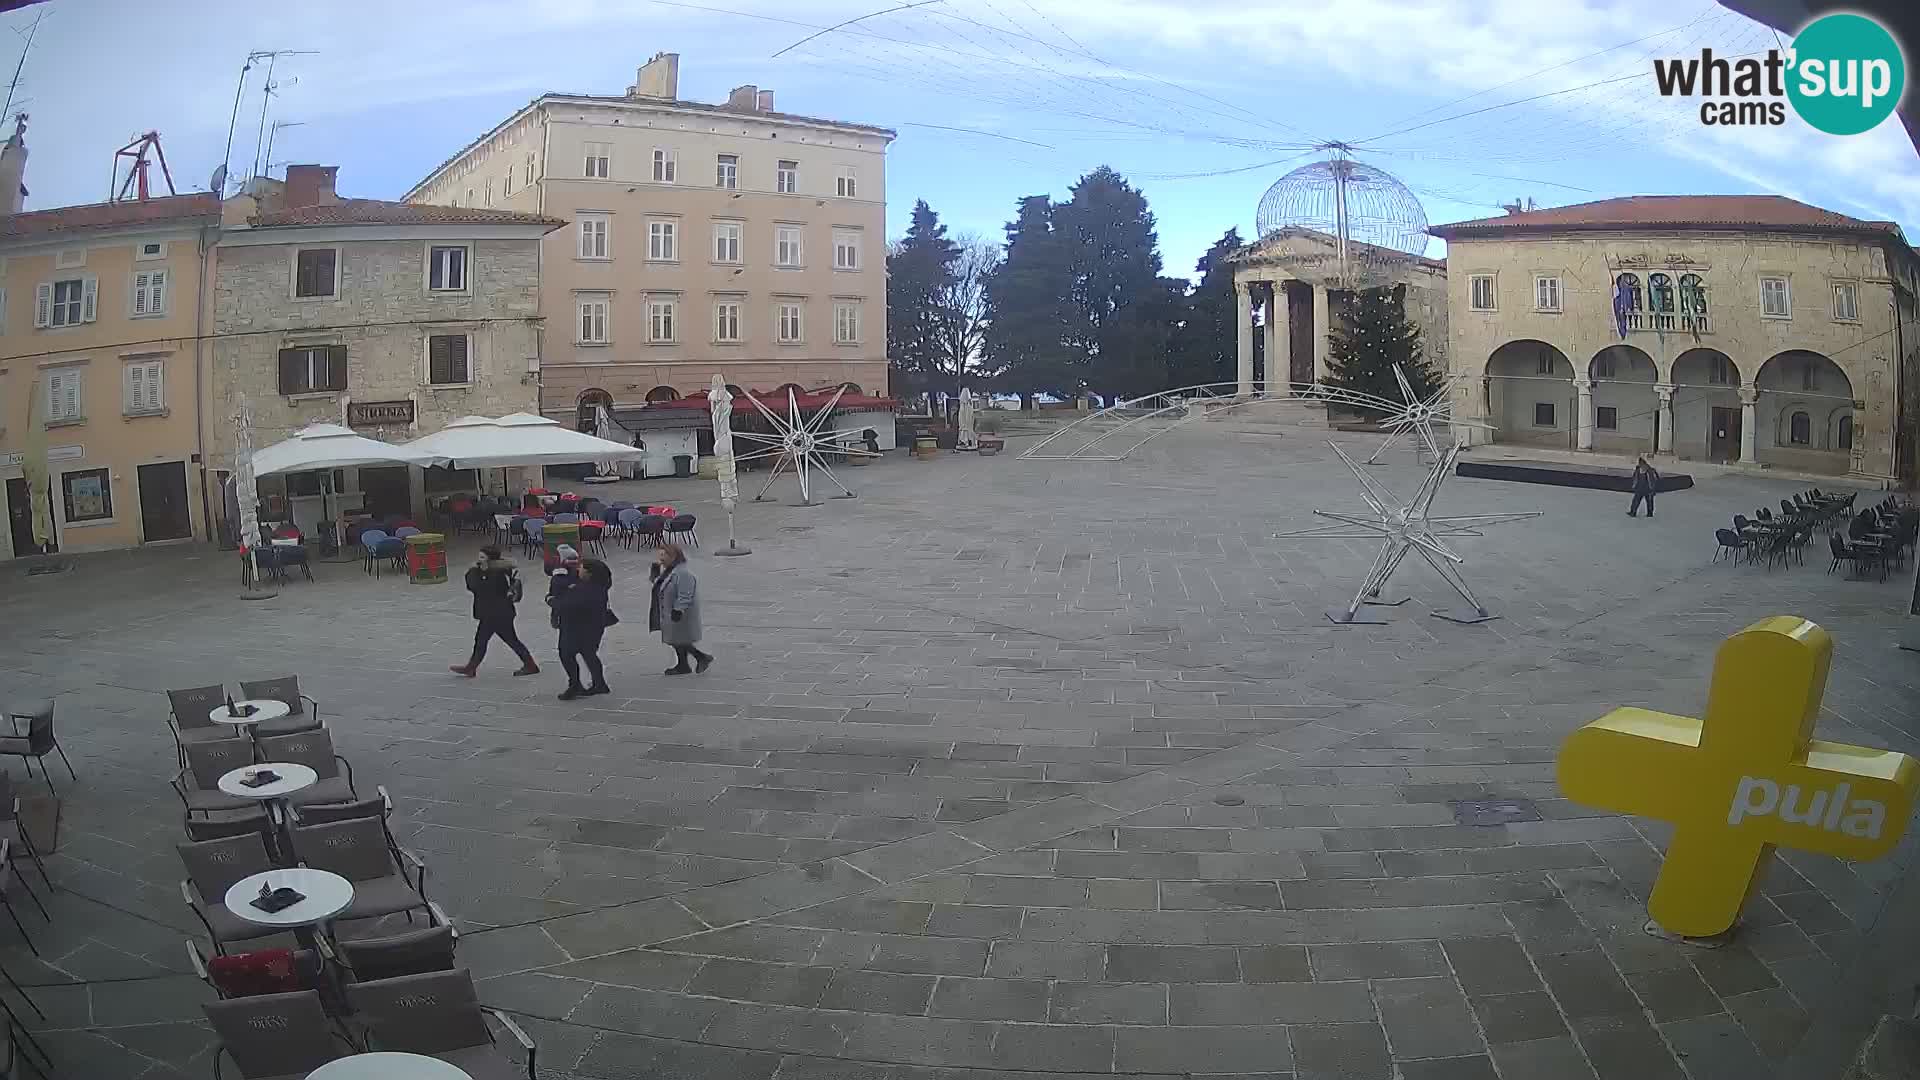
<point x="136" y="180"/>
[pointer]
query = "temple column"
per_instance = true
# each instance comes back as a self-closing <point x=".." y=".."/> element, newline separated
<point x="1664" y="417"/>
<point x="1749" y="397"/>
<point x="1322" y="327"/>
<point x="1243" y="306"/>
<point x="1583" y="437"/>
<point x="1275" y="342"/>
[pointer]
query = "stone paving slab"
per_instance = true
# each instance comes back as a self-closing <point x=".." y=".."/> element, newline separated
<point x="1007" y="768"/>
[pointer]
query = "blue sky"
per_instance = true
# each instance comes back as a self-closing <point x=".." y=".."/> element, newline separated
<point x="1203" y="103"/>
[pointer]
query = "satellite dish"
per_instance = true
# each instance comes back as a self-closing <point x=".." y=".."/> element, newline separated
<point x="218" y="185"/>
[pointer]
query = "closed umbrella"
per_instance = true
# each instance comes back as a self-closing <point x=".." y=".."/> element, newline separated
<point x="247" y="499"/>
<point x="35" y="471"/>
<point x="721" y="404"/>
<point x="968" y="438"/>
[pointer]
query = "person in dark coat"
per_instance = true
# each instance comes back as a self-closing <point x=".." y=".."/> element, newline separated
<point x="583" y="615"/>
<point x="675" y="610"/>
<point x="495" y="586"/>
<point x="1646" y="481"/>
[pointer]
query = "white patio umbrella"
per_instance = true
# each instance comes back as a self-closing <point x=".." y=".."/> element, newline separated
<point x="968" y="439"/>
<point x="330" y="446"/>
<point x="476" y="442"/>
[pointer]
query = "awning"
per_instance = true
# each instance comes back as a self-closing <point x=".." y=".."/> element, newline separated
<point x="777" y="401"/>
<point x="476" y="442"/>
<point x="330" y="446"/>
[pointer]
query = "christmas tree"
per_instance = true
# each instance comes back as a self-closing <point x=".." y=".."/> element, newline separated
<point x="1370" y="337"/>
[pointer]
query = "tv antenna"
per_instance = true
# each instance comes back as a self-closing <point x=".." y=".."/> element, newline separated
<point x="136" y="180"/>
<point x="240" y="88"/>
<point x="268" y="161"/>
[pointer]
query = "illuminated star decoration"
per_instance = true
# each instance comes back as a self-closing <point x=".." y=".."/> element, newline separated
<point x="1407" y="527"/>
<point x="801" y="446"/>
<point x="1419" y="415"/>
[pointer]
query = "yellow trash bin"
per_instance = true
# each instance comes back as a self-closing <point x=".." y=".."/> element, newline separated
<point x="427" y="559"/>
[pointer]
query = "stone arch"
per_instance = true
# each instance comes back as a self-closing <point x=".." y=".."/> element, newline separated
<point x="586" y="416"/>
<point x="662" y="393"/>
<point x="1530" y="394"/>
<point x="1625" y="409"/>
<point x="1800" y="399"/>
<point x="1704" y="379"/>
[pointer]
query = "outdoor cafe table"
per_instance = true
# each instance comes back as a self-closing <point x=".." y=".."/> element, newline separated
<point x="325" y="895"/>
<point x="293" y="777"/>
<point x="263" y="710"/>
<point x="388" y="1066"/>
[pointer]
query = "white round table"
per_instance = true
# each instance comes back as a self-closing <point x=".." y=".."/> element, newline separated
<point x="386" y="1066"/>
<point x="293" y="777"/>
<point x="326" y="895"/>
<point x="263" y="710"/>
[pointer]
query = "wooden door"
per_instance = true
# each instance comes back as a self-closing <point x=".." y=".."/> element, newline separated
<point x="163" y="502"/>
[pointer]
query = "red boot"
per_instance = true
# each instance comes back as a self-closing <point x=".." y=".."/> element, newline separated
<point x="469" y="669"/>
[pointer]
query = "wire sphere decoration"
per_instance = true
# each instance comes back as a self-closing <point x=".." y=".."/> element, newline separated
<point x="1379" y="223"/>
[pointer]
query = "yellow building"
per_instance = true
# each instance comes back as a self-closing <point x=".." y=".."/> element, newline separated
<point x="100" y="316"/>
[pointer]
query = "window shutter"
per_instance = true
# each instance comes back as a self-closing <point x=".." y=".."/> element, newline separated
<point x="290" y="368"/>
<point x="89" y="292"/>
<point x="336" y="367"/>
<point x="457" y="358"/>
<point x="155" y="371"/>
<point x="43" y="304"/>
<point x="136" y="386"/>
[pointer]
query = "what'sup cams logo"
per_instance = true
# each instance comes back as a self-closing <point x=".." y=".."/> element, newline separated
<point x="1843" y="74"/>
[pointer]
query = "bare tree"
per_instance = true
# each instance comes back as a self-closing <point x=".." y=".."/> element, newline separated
<point x="963" y="311"/>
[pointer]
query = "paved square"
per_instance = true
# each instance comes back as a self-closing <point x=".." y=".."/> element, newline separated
<point x="1005" y="766"/>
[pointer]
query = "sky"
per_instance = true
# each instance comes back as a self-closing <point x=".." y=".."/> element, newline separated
<point x="1203" y="104"/>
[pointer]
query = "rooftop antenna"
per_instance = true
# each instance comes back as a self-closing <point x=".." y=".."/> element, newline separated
<point x="240" y="88"/>
<point x="17" y="67"/>
<point x="275" y="130"/>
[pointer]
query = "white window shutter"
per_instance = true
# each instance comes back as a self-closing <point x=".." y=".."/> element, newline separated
<point x="136" y="386"/>
<point x="43" y="304"/>
<point x="154" y="372"/>
<point x="139" y="295"/>
<point x="157" y="291"/>
<point x="89" y="293"/>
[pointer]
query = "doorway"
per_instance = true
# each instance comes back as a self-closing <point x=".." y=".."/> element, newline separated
<point x="20" y="519"/>
<point x="387" y="492"/>
<point x="1723" y="436"/>
<point x="163" y="503"/>
<point x="1299" y="300"/>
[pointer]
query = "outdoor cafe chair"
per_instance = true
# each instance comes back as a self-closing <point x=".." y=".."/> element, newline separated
<point x="566" y="518"/>
<point x="1731" y="543"/>
<point x="590" y="538"/>
<point x="314" y="749"/>
<point x="6" y="894"/>
<point x="405" y="531"/>
<point x="357" y="850"/>
<point x="276" y="1036"/>
<point x="13" y="830"/>
<point x="188" y="712"/>
<point x="198" y="782"/>
<point x="651" y="528"/>
<point x="380" y="548"/>
<point x="213" y="866"/>
<point x="212" y="828"/>
<point x="683" y="525"/>
<point x="629" y="519"/>
<point x="439" y="1014"/>
<point x="39" y="740"/>
<point x="416" y="952"/>
<point x="286" y="691"/>
<point x="264" y="971"/>
<point x="534" y="528"/>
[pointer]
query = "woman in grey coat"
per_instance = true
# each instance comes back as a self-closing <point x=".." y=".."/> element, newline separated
<point x="675" y="611"/>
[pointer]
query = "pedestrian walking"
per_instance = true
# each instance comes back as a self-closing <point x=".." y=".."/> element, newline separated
<point x="675" y="610"/>
<point x="581" y="612"/>
<point x="496" y="588"/>
<point x="1646" y="481"/>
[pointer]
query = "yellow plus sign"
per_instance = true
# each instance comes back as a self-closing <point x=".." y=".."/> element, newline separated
<point x="1747" y="778"/>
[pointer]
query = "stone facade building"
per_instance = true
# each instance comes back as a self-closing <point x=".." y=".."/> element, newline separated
<point x="1293" y="278"/>
<point x="704" y="238"/>
<point x="389" y="318"/>
<point x="1726" y="328"/>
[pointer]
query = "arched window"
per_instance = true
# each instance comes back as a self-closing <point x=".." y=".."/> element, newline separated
<point x="1693" y="302"/>
<point x="852" y="387"/>
<point x="1843" y="433"/>
<point x="1626" y="301"/>
<point x="588" y="414"/>
<point x="1660" y="300"/>
<point x="663" y="393"/>
<point x="1800" y="428"/>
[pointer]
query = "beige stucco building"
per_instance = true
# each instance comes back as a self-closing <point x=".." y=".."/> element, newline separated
<point x="1293" y="276"/>
<point x="386" y="317"/>
<point x="100" y="316"/>
<point x="701" y="238"/>
<point x="1749" y="328"/>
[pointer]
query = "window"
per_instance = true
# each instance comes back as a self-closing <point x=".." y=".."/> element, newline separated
<point x="846" y="323"/>
<point x="506" y="183"/>
<point x="1480" y="292"/>
<point x="666" y="165"/>
<point x="489" y="191"/>
<point x="145" y="393"/>
<point x="1627" y="309"/>
<point x="1806" y="374"/>
<point x="1543" y="414"/>
<point x="149" y="293"/>
<point x="1720" y="372"/>
<point x="528" y="182"/>
<point x="1800" y="429"/>
<point x="1543" y="363"/>
<point x="1607" y="418"/>
<point x="847" y="184"/>
<point x="846" y="249"/>
<point x="315" y="272"/>
<point x="593" y="237"/>
<point x="87" y="495"/>
<point x="1693" y="303"/>
<point x="599" y="161"/>
<point x="787" y="323"/>
<point x="447" y="268"/>
<point x="786" y="177"/>
<point x="1775" y="300"/>
<point x="726" y="171"/>
<point x="726" y="321"/>
<point x="69" y="302"/>
<point x="593" y="319"/>
<point x="786" y="245"/>
<point x="152" y="249"/>
<point x="448" y="360"/>
<point x="726" y="241"/>
<point x="663" y="241"/>
<point x="63" y="397"/>
<point x="1843" y="434"/>
<point x="1602" y="366"/>
<point x="1846" y="302"/>
<point x="1546" y="293"/>
<point x="660" y="319"/>
<point x="313" y="369"/>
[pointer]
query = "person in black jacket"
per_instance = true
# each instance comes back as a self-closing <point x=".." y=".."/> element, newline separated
<point x="1646" y="481"/>
<point x="495" y="586"/>
<point x="584" y="617"/>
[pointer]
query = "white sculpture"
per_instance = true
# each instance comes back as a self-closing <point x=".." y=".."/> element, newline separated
<point x="802" y="445"/>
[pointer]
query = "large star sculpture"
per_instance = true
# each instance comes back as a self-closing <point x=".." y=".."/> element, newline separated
<point x="1403" y="527"/>
<point x="801" y="445"/>
<point x="1419" y="415"/>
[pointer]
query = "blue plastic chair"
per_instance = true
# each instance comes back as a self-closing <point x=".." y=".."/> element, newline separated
<point x="371" y="539"/>
<point x="629" y="522"/>
<point x="405" y="531"/>
<point x="566" y="519"/>
<point x="534" y="527"/>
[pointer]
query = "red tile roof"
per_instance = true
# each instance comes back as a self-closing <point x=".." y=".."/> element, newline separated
<point x="382" y="212"/>
<point x="169" y="208"/>
<point x="1762" y="212"/>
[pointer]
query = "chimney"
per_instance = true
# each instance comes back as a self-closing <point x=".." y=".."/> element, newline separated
<point x="310" y="185"/>
<point x="763" y="101"/>
<point x="660" y="78"/>
<point x="744" y="98"/>
<point x="13" y="168"/>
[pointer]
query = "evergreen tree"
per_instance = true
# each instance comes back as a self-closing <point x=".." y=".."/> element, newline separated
<point x="919" y="273"/>
<point x="1207" y="348"/>
<point x="1113" y="259"/>
<point x="1026" y="306"/>
<point x="1371" y="336"/>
